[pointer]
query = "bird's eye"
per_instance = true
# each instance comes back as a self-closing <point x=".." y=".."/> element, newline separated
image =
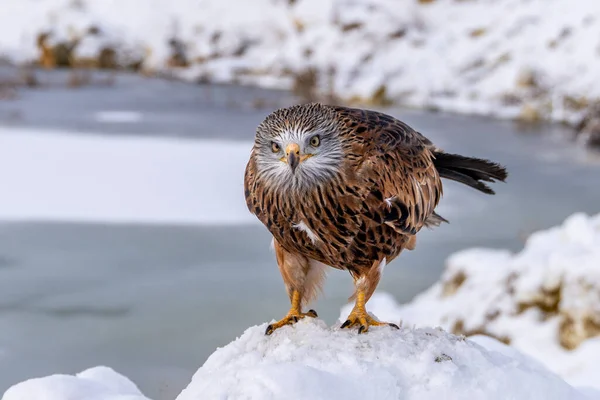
<point x="315" y="141"/>
<point x="275" y="147"/>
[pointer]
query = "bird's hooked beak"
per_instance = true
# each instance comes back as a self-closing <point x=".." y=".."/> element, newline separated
<point x="293" y="157"/>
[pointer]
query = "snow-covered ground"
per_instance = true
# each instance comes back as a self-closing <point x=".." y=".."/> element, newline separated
<point x="539" y="58"/>
<point x="544" y="300"/>
<point x="312" y="361"/>
<point x="99" y="383"/>
<point x="48" y="176"/>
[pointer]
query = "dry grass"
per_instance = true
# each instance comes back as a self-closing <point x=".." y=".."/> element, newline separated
<point x="574" y="327"/>
<point x="546" y="300"/>
<point x="64" y="55"/>
<point x="529" y="113"/>
<point x="380" y="96"/>
<point x="351" y="27"/>
<point x="475" y="33"/>
<point x="527" y="79"/>
<point x="299" y="25"/>
<point x="576" y="103"/>
<point x="305" y="85"/>
<point x="451" y="286"/>
<point x="459" y="329"/>
<point x="588" y="127"/>
<point x="442" y="357"/>
<point x="398" y="34"/>
<point x="572" y="332"/>
<point x="178" y="56"/>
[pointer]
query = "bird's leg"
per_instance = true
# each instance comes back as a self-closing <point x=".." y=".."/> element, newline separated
<point x="365" y="286"/>
<point x="302" y="280"/>
<point x="293" y="315"/>
<point x="359" y="316"/>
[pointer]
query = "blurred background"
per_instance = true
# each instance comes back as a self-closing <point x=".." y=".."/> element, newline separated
<point x="125" y="127"/>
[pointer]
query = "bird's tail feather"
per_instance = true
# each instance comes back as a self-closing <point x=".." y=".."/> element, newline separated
<point x="468" y="170"/>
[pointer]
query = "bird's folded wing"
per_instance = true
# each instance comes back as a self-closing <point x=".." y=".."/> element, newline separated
<point x="400" y="183"/>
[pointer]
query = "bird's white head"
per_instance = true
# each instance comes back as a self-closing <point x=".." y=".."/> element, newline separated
<point x="299" y="147"/>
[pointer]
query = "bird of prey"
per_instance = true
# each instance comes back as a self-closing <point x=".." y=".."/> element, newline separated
<point x="349" y="189"/>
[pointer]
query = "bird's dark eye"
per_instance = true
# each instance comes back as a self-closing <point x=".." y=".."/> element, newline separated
<point x="275" y="147"/>
<point x="315" y="141"/>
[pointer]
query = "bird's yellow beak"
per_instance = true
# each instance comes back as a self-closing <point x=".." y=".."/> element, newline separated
<point x="292" y="155"/>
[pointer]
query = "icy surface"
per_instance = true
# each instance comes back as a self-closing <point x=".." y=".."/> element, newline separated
<point x="57" y="176"/>
<point x="544" y="300"/>
<point x="504" y="57"/>
<point x="312" y="361"/>
<point x="98" y="383"/>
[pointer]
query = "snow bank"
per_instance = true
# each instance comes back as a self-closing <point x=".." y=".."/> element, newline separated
<point x="311" y="361"/>
<point x="544" y="300"/>
<point x="52" y="176"/>
<point x="99" y="383"/>
<point x="502" y="57"/>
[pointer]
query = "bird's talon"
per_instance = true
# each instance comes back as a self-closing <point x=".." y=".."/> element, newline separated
<point x="364" y="321"/>
<point x="290" y="319"/>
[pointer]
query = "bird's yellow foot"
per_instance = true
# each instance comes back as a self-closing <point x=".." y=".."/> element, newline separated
<point x="363" y="320"/>
<point x="291" y="318"/>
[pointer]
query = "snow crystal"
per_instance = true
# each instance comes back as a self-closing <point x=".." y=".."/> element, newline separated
<point x="312" y="361"/>
<point x="544" y="300"/>
<point x="99" y="383"/>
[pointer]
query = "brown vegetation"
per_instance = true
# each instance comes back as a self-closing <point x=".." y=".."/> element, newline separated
<point x="572" y="331"/>
<point x="459" y="329"/>
<point x="450" y="286"/>
<point x="588" y="127"/>
<point x="475" y="33"/>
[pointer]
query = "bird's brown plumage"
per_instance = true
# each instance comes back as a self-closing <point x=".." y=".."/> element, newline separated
<point x="385" y="189"/>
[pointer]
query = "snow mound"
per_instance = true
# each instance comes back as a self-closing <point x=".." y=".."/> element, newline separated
<point x="98" y="383"/>
<point x="312" y="361"/>
<point x="544" y="300"/>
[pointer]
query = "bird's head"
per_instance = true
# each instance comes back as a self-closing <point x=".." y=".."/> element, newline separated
<point x="299" y="146"/>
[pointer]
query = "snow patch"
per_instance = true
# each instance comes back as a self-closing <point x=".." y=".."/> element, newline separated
<point x="98" y="383"/>
<point x="48" y="176"/>
<point x="544" y="300"/>
<point x="311" y="361"/>
<point x="118" y="116"/>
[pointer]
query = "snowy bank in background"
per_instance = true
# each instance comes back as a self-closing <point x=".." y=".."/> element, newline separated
<point x="56" y="176"/>
<point x="99" y="383"/>
<point x="311" y="361"/>
<point x="504" y="58"/>
<point x="544" y="300"/>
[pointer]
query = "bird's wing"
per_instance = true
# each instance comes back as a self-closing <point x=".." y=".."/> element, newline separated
<point x="253" y="191"/>
<point x="394" y="167"/>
